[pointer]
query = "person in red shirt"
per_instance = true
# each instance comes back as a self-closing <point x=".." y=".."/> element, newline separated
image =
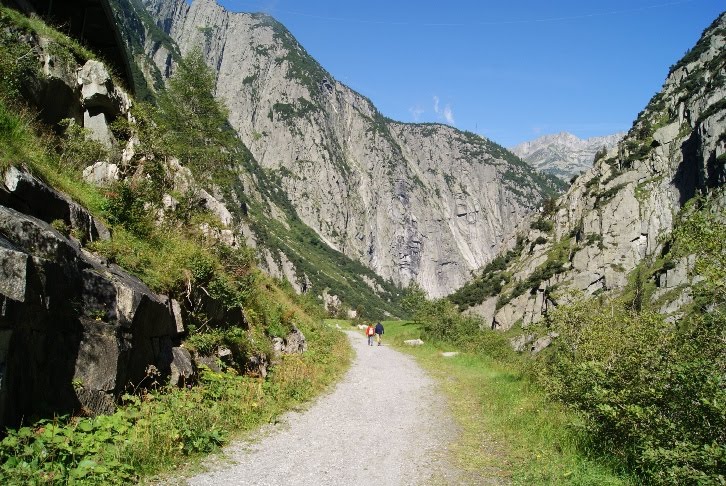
<point x="370" y="331"/>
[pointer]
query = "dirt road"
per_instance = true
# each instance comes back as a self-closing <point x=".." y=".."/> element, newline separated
<point x="383" y="424"/>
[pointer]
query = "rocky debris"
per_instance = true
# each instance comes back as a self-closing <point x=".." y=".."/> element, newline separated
<point x="216" y="207"/>
<point x="413" y="342"/>
<point x="542" y="342"/>
<point x="77" y="332"/>
<point x="679" y="274"/>
<point x="293" y="343"/>
<point x="522" y="342"/>
<point x="183" y="369"/>
<point x="331" y="302"/>
<point x="450" y="354"/>
<point x="102" y="101"/>
<point x="208" y="361"/>
<point x="531" y="343"/>
<point x="278" y="265"/>
<point x="257" y="365"/>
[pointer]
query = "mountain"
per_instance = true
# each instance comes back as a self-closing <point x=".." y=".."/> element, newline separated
<point x="614" y="227"/>
<point x="413" y="202"/>
<point x="563" y="154"/>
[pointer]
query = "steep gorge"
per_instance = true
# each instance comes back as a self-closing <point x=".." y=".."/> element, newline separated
<point x="424" y="203"/>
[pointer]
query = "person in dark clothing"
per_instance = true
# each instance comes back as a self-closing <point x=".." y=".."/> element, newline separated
<point x="379" y="333"/>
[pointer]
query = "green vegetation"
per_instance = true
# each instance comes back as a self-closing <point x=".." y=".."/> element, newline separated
<point x="542" y="225"/>
<point x="693" y="54"/>
<point x="165" y="429"/>
<point x="510" y="430"/>
<point x="557" y="258"/>
<point x="288" y="112"/>
<point x="301" y="66"/>
<point x="604" y="197"/>
<point x="489" y="283"/>
<point x="649" y="392"/>
<point x="327" y="268"/>
<point x="643" y="394"/>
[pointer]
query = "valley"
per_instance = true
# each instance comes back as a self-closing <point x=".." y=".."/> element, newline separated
<point x="191" y="228"/>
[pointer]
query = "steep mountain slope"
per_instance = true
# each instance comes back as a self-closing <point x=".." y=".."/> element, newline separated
<point x="424" y="203"/>
<point x="619" y="214"/>
<point x="563" y="154"/>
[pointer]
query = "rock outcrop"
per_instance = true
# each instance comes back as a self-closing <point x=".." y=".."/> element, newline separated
<point x="424" y="203"/>
<point x="563" y="154"/>
<point x="76" y="331"/>
<point x="619" y="212"/>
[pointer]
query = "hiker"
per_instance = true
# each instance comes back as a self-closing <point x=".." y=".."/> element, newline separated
<point x="370" y="331"/>
<point x="379" y="333"/>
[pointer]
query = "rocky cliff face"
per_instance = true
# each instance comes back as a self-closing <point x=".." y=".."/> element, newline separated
<point x="620" y="212"/>
<point x="563" y="154"/>
<point x="74" y="329"/>
<point x="424" y="203"/>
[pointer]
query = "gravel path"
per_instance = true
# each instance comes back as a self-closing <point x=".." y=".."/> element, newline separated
<point x="384" y="424"/>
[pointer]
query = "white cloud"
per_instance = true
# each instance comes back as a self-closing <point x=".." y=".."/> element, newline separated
<point x="449" y="115"/>
<point x="416" y="112"/>
<point x="445" y="113"/>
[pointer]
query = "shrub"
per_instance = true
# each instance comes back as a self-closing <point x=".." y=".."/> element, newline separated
<point x="77" y="149"/>
<point x="124" y="206"/>
<point x="651" y="392"/>
<point x="542" y="225"/>
<point x="441" y="319"/>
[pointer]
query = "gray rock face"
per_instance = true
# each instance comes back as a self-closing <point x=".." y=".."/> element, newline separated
<point x="424" y="203"/>
<point x="617" y="213"/>
<point x="75" y="332"/>
<point x="293" y="343"/>
<point x="101" y="173"/>
<point x="563" y="154"/>
<point x="183" y="369"/>
<point x="22" y="191"/>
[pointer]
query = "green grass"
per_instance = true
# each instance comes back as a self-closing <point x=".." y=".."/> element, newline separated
<point x="508" y="427"/>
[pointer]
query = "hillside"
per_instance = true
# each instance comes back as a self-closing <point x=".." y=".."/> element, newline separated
<point x="414" y="203"/>
<point x="619" y="215"/>
<point x="563" y="154"/>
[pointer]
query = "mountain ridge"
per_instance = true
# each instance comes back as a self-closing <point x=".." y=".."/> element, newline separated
<point x="429" y="213"/>
<point x="563" y="154"/>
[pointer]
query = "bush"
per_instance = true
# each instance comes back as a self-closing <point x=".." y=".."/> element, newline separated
<point x="78" y="149"/>
<point x="125" y="206"/>
<point x="542" y="225"/>
<point x="441" y="319"/>
<point x="651" y="393"/>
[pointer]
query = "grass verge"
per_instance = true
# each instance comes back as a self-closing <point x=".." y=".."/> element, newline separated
<point x="508" y="427"/>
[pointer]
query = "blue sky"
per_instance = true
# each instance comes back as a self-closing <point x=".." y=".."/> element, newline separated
<point x="509" y="70"/>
